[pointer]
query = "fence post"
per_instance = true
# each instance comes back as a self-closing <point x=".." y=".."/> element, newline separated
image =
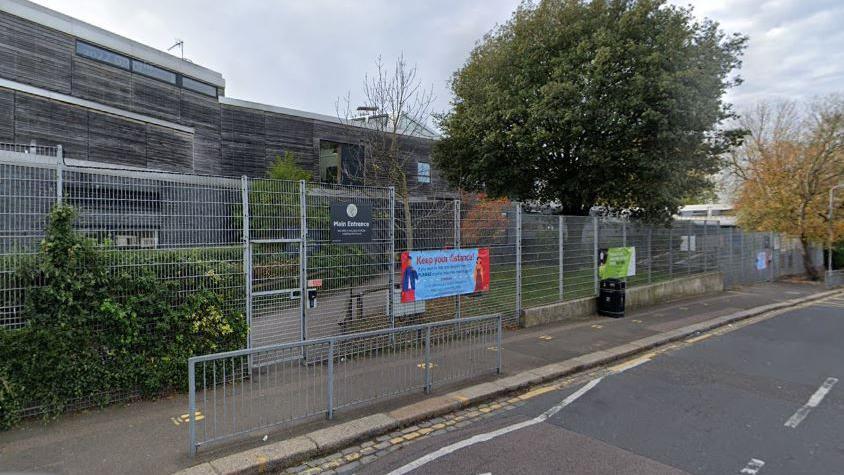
<point x="623" y="233"/>
<point x="561" y="220"/>
<point x="247" y="259"/>
<point x="303" y="258"/>
<point x="498" y="345"/>
<point x="192" y="406"/>
<point x="671" y="251"/>
<point x="650" y="253"/>
<point x="330" y="411"/>
<point x="457" y="309"/>
<point x="391" y="309"/>
<point x="595" y="254"/>
<point x="518" y="261"/>
<point x="690" y="253"/>
<point x="624" y="238"/>
<point x="59" y="174"/>
<point x="742" y="274"/>
<point x="773" y="261"/>
<point x="705" y="246"/>
<point x="428" y="382"/>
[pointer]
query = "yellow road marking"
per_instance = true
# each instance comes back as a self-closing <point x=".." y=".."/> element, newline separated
<point x="186" y="417"/>
<point x="537" y="392"/>
<point x="632" y="363"/>
<point x="597" y="326"/>
<point x="430" y="365"/>
<point x="698" y="338"/>
<point x="636" y="321"/>
<point x="262" y="463"/>
<point x="546" y="338"/>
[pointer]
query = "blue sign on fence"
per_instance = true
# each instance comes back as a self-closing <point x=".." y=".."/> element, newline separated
<point x="443" y="273"/>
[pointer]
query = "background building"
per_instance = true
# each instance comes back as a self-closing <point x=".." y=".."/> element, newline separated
<point x="108" y="99"/>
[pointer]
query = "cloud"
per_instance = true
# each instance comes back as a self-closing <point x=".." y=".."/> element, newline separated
<point x="796" y="48"/>
<point x="306" y="54"/>
<point x="303" y="54"/>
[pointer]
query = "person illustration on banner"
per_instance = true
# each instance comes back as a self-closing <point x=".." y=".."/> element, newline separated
<point x="603" y="253"/>
<point x="481" y="272"/>
<point x="480" y="275"/>
<point x="408" y="279"/>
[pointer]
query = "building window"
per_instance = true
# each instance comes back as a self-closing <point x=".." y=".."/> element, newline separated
<point x="136" y="238"/>
<point x="423" y="172"/>
<point x="199" y="87"/>
<point x="103" y="55"/>
<point x="114" y="199"/>
<point x="153" y="71"/>
<point x="340" y="163"/>
<point x="329" y="162"/>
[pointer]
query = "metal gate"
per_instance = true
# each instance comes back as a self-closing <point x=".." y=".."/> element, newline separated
<point x="274" y="225"/>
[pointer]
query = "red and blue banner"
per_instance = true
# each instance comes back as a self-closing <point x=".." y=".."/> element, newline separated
<point x="428" y="275"/>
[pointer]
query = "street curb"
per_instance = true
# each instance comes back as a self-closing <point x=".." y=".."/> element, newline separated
<point x="324" y="441"/>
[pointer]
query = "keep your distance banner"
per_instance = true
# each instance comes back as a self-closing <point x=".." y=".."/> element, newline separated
<point x="428" y="275"/>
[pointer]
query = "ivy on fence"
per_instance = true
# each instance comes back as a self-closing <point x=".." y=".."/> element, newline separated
<point x="93" y="329"/>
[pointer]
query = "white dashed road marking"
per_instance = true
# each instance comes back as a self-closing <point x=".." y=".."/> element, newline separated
<point x="448" y="449"/>
<point x="752" y="467"/>
<point x="813" y="402"/>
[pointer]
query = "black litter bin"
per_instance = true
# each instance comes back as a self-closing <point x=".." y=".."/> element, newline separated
<point x="611" y="298"/>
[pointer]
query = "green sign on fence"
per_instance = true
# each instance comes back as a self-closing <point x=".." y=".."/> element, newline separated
<point x="617" y="263"/>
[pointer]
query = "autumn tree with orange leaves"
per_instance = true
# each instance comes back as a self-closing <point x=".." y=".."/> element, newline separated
<point x="484" y="220"/>
<point x="792" y="155"/>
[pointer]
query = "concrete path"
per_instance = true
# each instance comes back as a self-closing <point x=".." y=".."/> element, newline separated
<point x="766" y="398"/>
<point x="151" y="436"/>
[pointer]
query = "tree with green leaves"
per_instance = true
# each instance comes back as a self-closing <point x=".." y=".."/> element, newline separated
<point x="615" y="103"/>
<point x="286" y="168"/>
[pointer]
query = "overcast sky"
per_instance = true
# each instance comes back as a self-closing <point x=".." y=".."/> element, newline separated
<point x="305" y="54"/>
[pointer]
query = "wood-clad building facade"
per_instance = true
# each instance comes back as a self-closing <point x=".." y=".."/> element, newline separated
<point x="108" y="99"/>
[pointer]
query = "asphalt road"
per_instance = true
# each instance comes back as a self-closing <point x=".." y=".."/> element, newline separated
<point x="764" y="399"/>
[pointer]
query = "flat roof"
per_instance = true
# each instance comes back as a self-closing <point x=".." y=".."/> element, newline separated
<point x="229" y="101"/>
<point x="78" y="28"/>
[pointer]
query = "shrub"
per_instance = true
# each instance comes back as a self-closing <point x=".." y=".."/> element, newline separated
<point x="93" y="330"/>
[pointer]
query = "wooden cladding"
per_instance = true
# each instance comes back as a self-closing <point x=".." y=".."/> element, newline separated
<point x="90" y="135"/>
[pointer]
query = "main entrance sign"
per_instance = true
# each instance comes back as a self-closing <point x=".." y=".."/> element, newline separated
<point x="351" y="222"/>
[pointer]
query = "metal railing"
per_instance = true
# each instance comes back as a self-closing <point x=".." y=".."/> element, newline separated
<point x="261" y="245"/>
<point x="237" y="392"/>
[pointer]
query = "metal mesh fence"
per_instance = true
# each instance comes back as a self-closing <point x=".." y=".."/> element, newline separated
<point x="266" y="245"/>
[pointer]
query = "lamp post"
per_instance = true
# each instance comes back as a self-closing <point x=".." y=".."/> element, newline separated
<point x="829" y="219"/>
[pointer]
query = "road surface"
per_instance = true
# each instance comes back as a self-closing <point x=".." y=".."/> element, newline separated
<point x="763" y="399"/>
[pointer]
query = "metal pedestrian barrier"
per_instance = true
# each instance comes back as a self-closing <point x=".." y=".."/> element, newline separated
<point x="235" y="393"/>
<point x="264" y="247"/>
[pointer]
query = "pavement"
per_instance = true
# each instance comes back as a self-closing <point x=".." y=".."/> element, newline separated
<point x="765" y="397"/>
<point x="151" y="436"/>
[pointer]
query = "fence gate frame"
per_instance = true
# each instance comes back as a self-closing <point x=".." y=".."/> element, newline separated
<point x="249" y="246"/>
